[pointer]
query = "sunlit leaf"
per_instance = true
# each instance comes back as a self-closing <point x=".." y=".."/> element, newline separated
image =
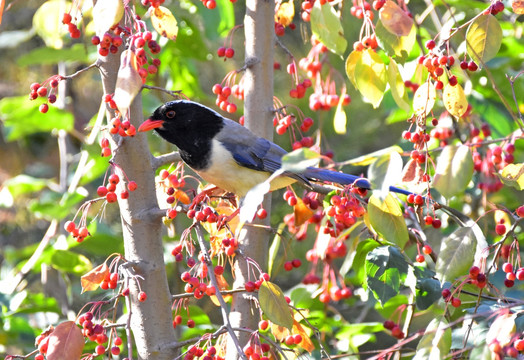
<point x="457" y="252"/>
<point x="370" y="76"/>
<point x="164" y="22"/>
<point x="306" y="342"/>
<point x="386" y="171"/>
<point x="275" y="246"/>
<point x="222" y="285"/>
<point x="395" y="20"/>
<point x="274" y="305"/>
<point x="182" y="197"/>
<point x="70" y="262"/>
<point x="66" y="342"/>
<point x="455" y="100"/>
<point x="285" y="13"/>
<point x="396" y="84"/>
<point x="513" y="175"/>
<point x="302" y="212"/>
<point x="23" y="184"/>
<point x="502" y="330"/>
<point x="46" y="55"/>
<point x="128" y="82"/>
<point x="454" y="170"/>
<point x="386" y="218"/>
<point x="483" y="38"/>
<point x="326" y="26"/>
<point x="395" y="45"/>
<point x="436" y="342"/>
<point x="299" y="160"/>
<point x="106" y="14"/>
<point x="518" y="6"/>
<point x="368" y="159"/>
<point x="351" y="63"/>
<point x="92" y="280"/>
<point x="340" y="119"/>
<point x="424" y="99"/>
<point x="47" y="22"/>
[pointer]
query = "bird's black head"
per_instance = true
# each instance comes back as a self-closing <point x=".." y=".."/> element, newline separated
<point x="188" y="125"/>
<point x="182" y="121"/>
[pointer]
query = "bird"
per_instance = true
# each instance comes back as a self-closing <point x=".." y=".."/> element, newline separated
<point x="227" y="154"/>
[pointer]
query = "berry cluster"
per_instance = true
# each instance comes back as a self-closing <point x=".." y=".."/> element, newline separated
<point x="290" y="265"/>
<point x="226" y="53"/>
<point x="256" y="350"/>
<point x="436" y="64"/>
<point x="110" y="281"/>
<point x="494" y="158"/>
<point x="79" y="233"/>
<point x="74" y="32"/>
<point x="42" y="343"/>
<point x="41" y="90"/>
<point x="395" y="329"/>
<point x="109" y="191"/>
<point x="97" y="333"/>
<point x="108" y="44"/>
<point x="344" y="210"/>
<point x="512" y="274"/>
<point x="426" y="249"/>
<point x="106" y="149"/>
<point x="224" y="92"/>
<point x="449" y="298"/>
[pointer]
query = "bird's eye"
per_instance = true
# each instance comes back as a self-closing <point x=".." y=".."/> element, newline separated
<point x="171" y="114"/>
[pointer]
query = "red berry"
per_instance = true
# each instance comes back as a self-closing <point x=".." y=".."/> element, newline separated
<point x="472" y="66"/>
<point x="221" y="51"/>
<point x="296" y="263"/>
<point x="132" y="186"/>
<point x="474" y="271"/>
<point x="426" y="249"/>
<point x="507" y="267"/>
<point x="191" y="323"/>
<point x="230" y="52"/>
<point x="66" y="19"/>
<point x="263" y="325"/>
<point x="430" y="44"/>
<point x="262" y="213"/>
<point x="288" y="266"/>
<point x="100" y="349"/>
<point x="509" y="283"/>
<point x="520" y="274"/>
<point x="446" y="293"/>
<point x="101" y="191"/>
<point x="520" y="211"/>
<point x="43" y="108"/>
<point x="464" y="65"/>
<point x="453" y="80"/>
<point x="111" y="197"/>
<point x="388" y="324"/>
<point x="437" y="223"/>
<point x="500" y="229"/>
<point x="455" y="302"/>
<point x="420" y="258"/>
<point x="142" y="296"/>
<point x="70" y="226"/>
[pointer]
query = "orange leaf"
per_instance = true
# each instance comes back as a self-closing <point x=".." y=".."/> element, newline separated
<point x="285" y="13"/>
<point x="128" y="82"/>
<point x="279" y="332"/>
<point x="518" y="6"/>
<point x="302" y="212"/>
<point x="2" y="4"/>
<point x="92" y="280"/>
<point x="164" y="22"/>
<point x="182" y="197"/>
<point x="395" y="20"/>
<point x="65" y="342"/>
<point x="222" y="285"/>
<point x="306" y="342"/>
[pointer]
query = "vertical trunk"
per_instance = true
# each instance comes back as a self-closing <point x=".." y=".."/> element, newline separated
<point x="151" y="322"/>
<point x="258" y="90"/>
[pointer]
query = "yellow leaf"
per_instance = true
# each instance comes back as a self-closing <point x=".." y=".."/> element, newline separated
<point x="512" y="175"/>
<point x="367" y="159"/>
<point x="483" y="38"/>
<point x="47" y="22"/>
<point x="455" y="100"/>
<point x="454" y="170"/>
<point x="302" y="212"/>
<point x="92" y="280"/>
<point x="274" y="305"/>
<point x="211" y="228"/>
<point x="340" y="119"/>
<point x="285" y="13"/>
<point x="279" y="332"/>
<point x="164" y="22"/>
<point x="370" y="76"/>
<point x="222" y="285"/>
<point x="128" y="82"/>
<point x="387" y="219"/>
<point x="395" y="20"/>
<point x="182" y="197"/>
<point x="424" y="99"/>
<point x="351" y="63"/>
<point x="106" y="14"/>
<point x="396" y="84"/>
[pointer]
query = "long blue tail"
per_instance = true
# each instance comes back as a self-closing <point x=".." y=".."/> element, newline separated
<point x="345" y="179"/>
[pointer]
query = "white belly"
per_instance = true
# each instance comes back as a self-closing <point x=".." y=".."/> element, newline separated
<point x="225" y="173"/>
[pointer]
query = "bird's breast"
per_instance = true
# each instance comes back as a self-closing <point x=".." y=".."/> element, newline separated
<point x="223" y="171"/>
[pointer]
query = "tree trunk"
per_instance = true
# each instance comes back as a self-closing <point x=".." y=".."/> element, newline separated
<point x="151" y="321"/>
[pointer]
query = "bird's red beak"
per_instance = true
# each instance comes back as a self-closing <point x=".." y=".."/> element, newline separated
<point x="150" y="125"/>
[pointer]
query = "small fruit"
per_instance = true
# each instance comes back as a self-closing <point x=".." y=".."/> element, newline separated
<point x="142" y="296"/>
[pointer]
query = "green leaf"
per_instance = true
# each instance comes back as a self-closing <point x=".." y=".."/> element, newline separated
<point x="395" y="45"/>
<point x="436" y="342"/>
<point x="483" y="38"/>
<point x="275" y="246"/>
<point x="46" y="55"/>
<point x="23" y="184"/>
<point x="358" y="266"/>
<point x="386" y="171"/>
<point x="340" y="120"/>
<point x="70" y="262"/>
<point x="218" y="22"/>
<point x="299" y="160"/>
<point x="387" y="219"/>
<point x="512" y="175"/>
<point x="428" y="291"/>
<point x="326" y="26"/>
<point x="29" y="303"/>
<point x="56" y="206"/>
<point x="386" y="268"/>
<point x="396" y="84"/>
<point x="21" y="118"/>
<point x="370" y="76"/>
<point x="457" y="253"/>
<point x="454" y="170"/>
<point x="274" y="305"/>
<point x="368" y="159"/>
<point x="47" y="22"/>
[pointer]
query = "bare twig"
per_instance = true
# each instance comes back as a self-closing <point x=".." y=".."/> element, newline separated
<point x="173" y="93"/>
<point x="165" y="159"/>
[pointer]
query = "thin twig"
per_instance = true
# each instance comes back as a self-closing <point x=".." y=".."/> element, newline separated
<point x="69" y="77"/>
<point x="158" y="161"/>
<point x="173" y="93"/>
<point x="214" y="283"/>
